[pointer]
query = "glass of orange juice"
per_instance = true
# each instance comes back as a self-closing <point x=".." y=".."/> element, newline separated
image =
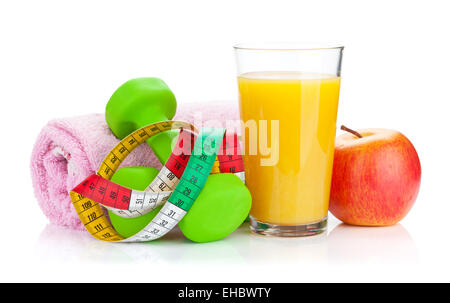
<point x="289" y="97"/>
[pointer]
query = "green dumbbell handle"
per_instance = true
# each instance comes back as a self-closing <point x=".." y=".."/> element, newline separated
<point x="161" y="144"/>
<point x="137" y="178"/>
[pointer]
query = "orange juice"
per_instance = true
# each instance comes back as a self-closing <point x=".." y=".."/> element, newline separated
<point x="294" y="190"/>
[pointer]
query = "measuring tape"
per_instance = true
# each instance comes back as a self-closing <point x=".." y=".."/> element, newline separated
<point x="179" y="182"/>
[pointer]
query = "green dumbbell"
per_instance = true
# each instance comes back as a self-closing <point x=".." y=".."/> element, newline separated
<point x="142" y="101"/>
<point x="139" y="102"/>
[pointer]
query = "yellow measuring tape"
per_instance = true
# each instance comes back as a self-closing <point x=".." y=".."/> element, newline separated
<point x="96" y="190"/>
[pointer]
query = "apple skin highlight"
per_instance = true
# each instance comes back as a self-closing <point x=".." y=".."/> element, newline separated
<point x="375" y="179"/>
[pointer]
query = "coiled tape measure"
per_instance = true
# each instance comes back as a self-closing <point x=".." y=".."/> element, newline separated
<point x="178" y="183"/>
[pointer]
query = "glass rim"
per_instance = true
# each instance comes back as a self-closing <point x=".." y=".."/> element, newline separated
<point x="287" y="46"/>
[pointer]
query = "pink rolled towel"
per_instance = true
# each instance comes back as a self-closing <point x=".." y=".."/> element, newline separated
<point x="68" y="150"/>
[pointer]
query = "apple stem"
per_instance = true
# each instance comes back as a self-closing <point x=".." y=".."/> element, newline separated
<point x="354" y="132"/>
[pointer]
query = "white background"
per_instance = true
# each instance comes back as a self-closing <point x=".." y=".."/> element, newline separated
<point x="64" y="58"/>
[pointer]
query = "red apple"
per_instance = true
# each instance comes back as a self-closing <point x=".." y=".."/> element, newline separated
<point x="376" y="177"/>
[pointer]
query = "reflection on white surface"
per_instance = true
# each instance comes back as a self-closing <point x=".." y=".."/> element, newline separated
<point x="342" y="245"/>
<point x="305" y="250"/>
<point x="365" y="245"/>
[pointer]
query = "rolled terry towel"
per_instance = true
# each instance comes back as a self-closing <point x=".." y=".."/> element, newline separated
<point x="70" y="149"/>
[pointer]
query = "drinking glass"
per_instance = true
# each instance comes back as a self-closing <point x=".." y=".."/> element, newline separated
<point x="288" y="97"/>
